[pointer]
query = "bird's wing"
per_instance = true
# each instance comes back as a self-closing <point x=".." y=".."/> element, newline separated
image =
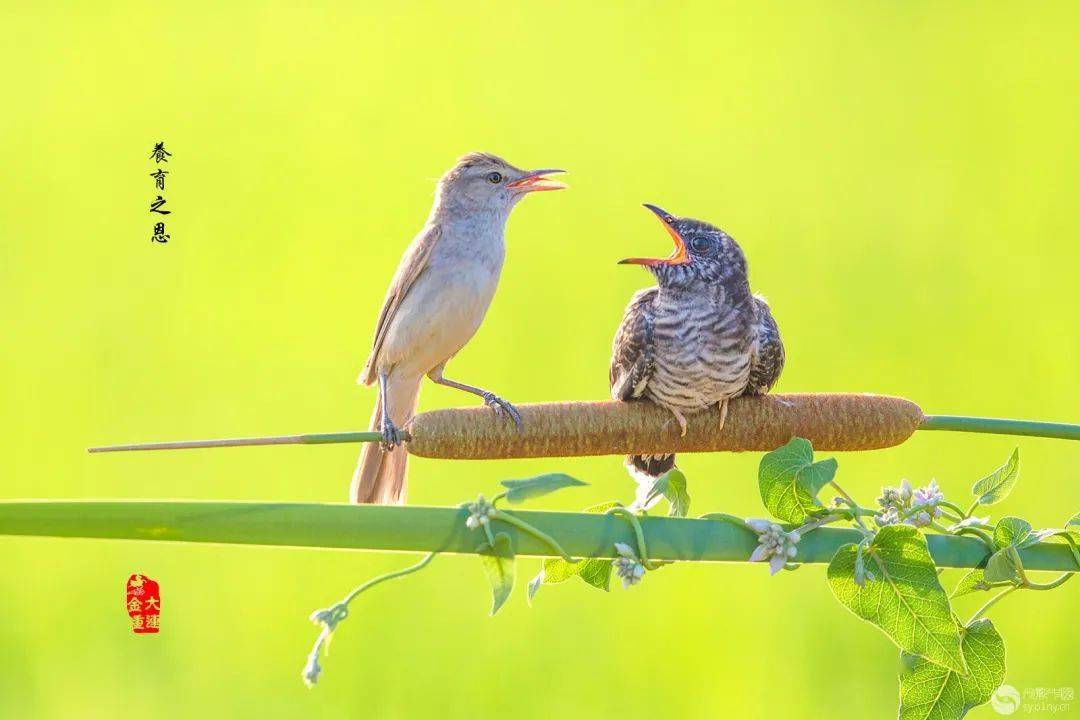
<point x="632" y="350"/>
<point x="768" y="360"/>
<point x="412" y="265"/>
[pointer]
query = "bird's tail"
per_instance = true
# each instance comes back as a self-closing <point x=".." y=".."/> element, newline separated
<point x="646" y="468"/>
<point x="380" y="475"/>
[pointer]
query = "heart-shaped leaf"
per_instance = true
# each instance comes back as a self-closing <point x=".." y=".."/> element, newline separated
<point x="597" y="572"/>
<point x="522" y="490"/>
<point x="932" y="692"/>
<point x="1011" y="532"/>
<point x="789" y="480"/>
<point x="905" y="599"/>
<point x="498" y="561"/>
<point x="1010" y="535"/>
<point x="996" y="486"/>
<point x="1003" y="566"/>
<point x="673" y="487"/>
<point x="594" y="571"/>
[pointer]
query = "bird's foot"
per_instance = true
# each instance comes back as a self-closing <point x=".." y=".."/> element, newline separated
<point x="682" y="421"/>
<point x="503" y="409"/>
<point x="391" y="436"/>
<point x="723" y="413"/>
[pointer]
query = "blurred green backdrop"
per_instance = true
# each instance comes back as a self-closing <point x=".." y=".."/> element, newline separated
<point x="902" y="176"/>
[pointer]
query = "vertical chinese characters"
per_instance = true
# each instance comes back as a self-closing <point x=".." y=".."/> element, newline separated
<point x="159" y="155"/>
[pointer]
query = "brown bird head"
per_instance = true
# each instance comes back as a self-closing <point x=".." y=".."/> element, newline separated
<point x="703" y="252"/>
<point x="486" y="182"/>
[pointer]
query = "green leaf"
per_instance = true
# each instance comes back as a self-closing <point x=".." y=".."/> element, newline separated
<point x="905" y="599"/>
<point x="974" y="581"/>
<point x="677" y="495"/>
<point x="557" y="570"/>
<point x="996" y="486"/>
<point x="1011" y="532"/>
<point x="498" y="562"/>
<point x="522" y="490"/>
<point x="597" y="573"/>
<point x="594" y="571"/>
<point x="1073" y="526"/>
<point x="789" y="480"/>
<point x="933" y="692"/>
<point x="672" y="485"/>
<point x="1003" y="566"/>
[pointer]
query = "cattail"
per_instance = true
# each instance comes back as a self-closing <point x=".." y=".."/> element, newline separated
<point x="829" y="422"/>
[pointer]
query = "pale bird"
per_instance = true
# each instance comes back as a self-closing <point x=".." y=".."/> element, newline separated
<point x="436" y="302"/>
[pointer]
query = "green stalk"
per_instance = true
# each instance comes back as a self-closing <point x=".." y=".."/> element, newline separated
<point x="432" y="529"/>
<point x="1001" y="426"/>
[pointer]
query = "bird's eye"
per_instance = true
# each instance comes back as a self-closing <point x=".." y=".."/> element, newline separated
<point x="494" y="178"/>
<point x="701" y="245"/>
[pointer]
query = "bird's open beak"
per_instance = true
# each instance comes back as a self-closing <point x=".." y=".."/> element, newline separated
<point x="536" y="182"/>
<point x="678" y="255"/>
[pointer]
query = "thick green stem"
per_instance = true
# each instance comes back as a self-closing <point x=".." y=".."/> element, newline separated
<point x="429" y="529"/>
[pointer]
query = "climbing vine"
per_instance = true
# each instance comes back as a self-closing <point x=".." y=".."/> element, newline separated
<point x="887" y="576"/>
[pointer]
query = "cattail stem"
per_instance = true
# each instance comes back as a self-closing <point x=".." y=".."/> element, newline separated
<point x="830" y="421"/>
<point x="1001" y="426"/>
<point x="442" y="530"/>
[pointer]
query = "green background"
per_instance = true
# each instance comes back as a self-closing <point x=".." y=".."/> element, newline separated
<point x="902" y="177"/>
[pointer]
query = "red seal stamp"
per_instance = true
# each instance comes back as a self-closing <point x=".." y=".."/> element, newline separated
<point x="143" y="600"/>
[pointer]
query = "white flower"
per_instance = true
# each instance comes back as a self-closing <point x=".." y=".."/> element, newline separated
<point x="480" y="513"/>
<point x="905" y="490"/>
<point x="888" y="517"/>
<point x="627" y="566"/>
<point x="774" y="544"/>
<point x="929" y="495"/>
<point x="312" y="668"/>
<point x="921" y="519"/>
<point x="895" y="503"/>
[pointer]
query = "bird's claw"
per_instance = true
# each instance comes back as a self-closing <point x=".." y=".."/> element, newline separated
<point x="503" y="409"/>
<point x="391" y="436"/>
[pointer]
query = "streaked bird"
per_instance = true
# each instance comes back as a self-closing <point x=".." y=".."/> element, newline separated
<point x="435" y="303"/>
<point x="697" y="339"/>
